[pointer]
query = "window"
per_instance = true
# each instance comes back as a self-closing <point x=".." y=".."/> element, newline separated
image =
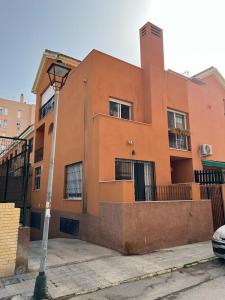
<point x="35" y="220"/>
<point x="69" y="226"/>
<point x="142" y="172"/>
<point x="47" y="102"/>
<point x="177" y="123"/>
<point x="73" y="181"/>
<point x="3" y="123"/>
<point x="19" y="114"/>
<point x="124" y="170"/>
<point x="119" y="109"/>
<point x="3" y="111"/>
<point x="37" y="178"/>
<point x="17" y="126"/>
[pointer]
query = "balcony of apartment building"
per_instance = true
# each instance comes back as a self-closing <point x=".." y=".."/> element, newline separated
<point x="179" y="147"/>
<point x="47" y="102"/>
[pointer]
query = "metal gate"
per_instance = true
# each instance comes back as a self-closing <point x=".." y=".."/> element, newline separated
<point x="214" y="192"/>
<point x="210" y="176"/>
<point x="14" y="171"/>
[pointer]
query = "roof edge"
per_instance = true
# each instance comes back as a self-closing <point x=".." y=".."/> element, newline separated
<point x="211" y="71"/>
<point x="52" y="55"/>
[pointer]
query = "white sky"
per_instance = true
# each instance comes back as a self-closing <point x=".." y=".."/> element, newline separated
<point x="193" y="34"/>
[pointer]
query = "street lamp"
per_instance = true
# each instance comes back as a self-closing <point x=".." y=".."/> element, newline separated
<point x="58" y="74"/>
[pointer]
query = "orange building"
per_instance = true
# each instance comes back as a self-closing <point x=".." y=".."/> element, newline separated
<point x="122" y="131"/>
<point x="15" y="116"/>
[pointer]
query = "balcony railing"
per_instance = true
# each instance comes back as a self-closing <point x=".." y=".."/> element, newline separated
<point x="180" y="141"/>
<point x="47" y="108"/>
<point x="170" y="192"/>
<point x="38" y="155"/>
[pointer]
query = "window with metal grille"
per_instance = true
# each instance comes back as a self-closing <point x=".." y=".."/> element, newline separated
<point x="37" y="178"/>
<point x="69" y="226"/>
<point x="73" y="181"/>
<point x="177" y="120"/>
<point x="35" y="220"/>
<point x="124" y="169"/>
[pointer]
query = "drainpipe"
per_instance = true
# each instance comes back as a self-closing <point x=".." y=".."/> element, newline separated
<point x="85" y="160"/>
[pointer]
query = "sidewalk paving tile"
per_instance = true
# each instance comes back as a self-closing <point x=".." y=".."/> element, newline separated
<point x="101" y="272"/>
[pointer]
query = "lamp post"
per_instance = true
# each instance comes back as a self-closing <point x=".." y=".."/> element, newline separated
<point x="58" y="74"/>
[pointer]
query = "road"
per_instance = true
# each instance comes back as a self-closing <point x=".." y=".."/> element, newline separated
<point x="200" y="282"/>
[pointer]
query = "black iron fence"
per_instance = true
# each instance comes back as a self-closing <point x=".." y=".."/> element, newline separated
<point x="214" y="192"/>
<point x="210" y="176"/>
<point x="14" y="171"/>
<point x="169" y="192"/>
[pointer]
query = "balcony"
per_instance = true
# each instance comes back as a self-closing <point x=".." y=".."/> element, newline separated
<point x="38" y="155"/>
<point x="46" y="108"/>
<point x="179" y="139"/>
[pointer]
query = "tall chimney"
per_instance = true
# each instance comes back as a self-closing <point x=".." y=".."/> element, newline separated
<point x="152" y="63"/>
<point x="21" y="98"/>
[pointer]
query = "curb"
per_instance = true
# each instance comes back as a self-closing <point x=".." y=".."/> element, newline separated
<point x="145" y="276"/>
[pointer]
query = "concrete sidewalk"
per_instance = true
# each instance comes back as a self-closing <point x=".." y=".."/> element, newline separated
<point x="99" y="267"/>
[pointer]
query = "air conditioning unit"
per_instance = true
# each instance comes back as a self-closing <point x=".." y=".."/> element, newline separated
<point x="205" y="150"/>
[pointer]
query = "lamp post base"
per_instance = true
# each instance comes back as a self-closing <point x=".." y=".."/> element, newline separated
<point x="41" y="289"/>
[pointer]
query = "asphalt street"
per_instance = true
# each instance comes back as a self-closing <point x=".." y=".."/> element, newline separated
<point x="203" y="281"/>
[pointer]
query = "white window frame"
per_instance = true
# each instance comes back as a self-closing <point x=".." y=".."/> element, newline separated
<point x="180" y="113"/>
<point x="185" y="127"/>
<point x="123" y="103"/>
<point x="3" y="111"/>
<point x="37" y="176"/>
<point x="3" y="123"/>
<point x="67" y="197"/>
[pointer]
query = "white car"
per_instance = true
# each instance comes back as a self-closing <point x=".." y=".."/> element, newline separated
<point x="218" y="242"/>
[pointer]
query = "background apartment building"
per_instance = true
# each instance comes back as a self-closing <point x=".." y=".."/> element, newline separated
<point x="15" y="116"/>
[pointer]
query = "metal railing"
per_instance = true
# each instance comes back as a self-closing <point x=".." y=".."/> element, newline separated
<point x="209" y="176"/>
<point x="14" y="172"/>
<point x="38" y="154"/>
<point x="214" y="193"/>
<point x="47" y="108"/>
<point x="169" y="192"/>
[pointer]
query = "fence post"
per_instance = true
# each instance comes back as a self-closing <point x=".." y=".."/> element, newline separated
<point x="6" y="180"/>
<point x="195" y="191"/>
<point x="223" y="196"/>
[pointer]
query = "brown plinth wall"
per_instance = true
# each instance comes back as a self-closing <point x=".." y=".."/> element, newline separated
<point x="140" y="227"/>
<point x="156" y="225"/>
